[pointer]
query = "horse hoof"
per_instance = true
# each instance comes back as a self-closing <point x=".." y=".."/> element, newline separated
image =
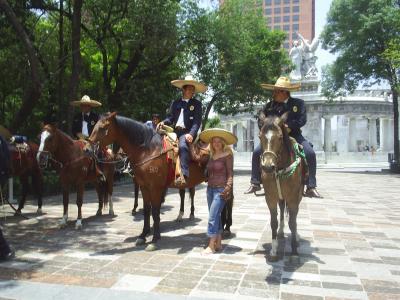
<point x="39" y="211"/>
<point x="227" y="233"/>
<point x="140" y="242"/>
<point x="281" y="235"/>
<point x="111" y="213"/>
<point x="294" y="258"/>
<point x="273" y="258"/>
<point x="133" y="212"/>
<point x="62" y="225"/>
<point x="180" y="217"/>
<point x="151" y="247"/>
<point x="17" y="213"/>
<point x="191" y="217"/>
<point x="99" y="213"/>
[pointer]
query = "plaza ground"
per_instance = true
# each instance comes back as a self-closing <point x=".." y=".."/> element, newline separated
<point x="349" y="247"/>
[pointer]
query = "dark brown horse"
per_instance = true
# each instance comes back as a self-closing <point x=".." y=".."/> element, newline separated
<point x="75" y="168"/>
<point x="282" y="177"/>
<point x="149" y="162"/>
<point x="25" y="166"/>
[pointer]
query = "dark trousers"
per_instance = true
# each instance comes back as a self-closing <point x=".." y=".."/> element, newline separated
<point x="184" y="154"/>
<point x="310" y="156"/>
<point x="4" y="247"/>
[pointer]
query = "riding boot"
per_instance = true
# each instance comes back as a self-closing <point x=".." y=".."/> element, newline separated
<point x="99" y="174"/>
<point x="179" y="178"/>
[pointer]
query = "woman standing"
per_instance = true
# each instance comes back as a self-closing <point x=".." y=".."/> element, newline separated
<point x="220" y="181"/>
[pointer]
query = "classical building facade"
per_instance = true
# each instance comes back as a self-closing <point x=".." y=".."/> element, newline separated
<point x="341" y="128"/>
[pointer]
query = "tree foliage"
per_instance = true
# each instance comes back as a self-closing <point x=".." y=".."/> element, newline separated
<point x="363" y="34"/>
<point x="125" y="53"/>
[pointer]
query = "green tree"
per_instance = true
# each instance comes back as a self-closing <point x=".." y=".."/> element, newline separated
<point x="360" y="33"/>
<point x="233" y="52"/>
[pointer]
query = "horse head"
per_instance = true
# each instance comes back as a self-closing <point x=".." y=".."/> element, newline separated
<point x="272" y="139"/>
<point x="48" y="145"/>
<point x="102" y="131"/>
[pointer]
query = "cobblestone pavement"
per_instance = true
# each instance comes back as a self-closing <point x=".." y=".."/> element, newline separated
<point x="349" y="248"/>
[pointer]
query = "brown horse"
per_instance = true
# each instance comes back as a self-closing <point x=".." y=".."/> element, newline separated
<point x="75" y="168"/>
<point x="148" y="159"/>
<point x="282" y="176"/>
<point x="24" y="165"/>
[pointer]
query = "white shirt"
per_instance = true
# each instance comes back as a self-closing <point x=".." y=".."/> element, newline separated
<point x="180" y="122"/>
<point x="85" y="130"/>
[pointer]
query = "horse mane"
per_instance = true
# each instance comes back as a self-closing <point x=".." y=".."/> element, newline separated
<point x="138" y="133"/>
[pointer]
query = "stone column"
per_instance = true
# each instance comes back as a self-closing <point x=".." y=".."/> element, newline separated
<point x="240" y="142"/>
<point x="328" y="134"/>
<point x="342" y="134"/>
<point x="256" y="133"/>
<point x="352" y="142"/>
<point x="391" y="135"/>
<point x="384" y="134"/>
<point x="372" y="132"/>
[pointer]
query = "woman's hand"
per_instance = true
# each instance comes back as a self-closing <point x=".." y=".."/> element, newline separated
<point x="226" y="193"/>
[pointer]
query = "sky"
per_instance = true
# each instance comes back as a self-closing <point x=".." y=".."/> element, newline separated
<point x="321" y="10"/>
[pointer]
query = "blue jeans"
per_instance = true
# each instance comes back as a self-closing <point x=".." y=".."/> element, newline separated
<point x="215" y="206"/>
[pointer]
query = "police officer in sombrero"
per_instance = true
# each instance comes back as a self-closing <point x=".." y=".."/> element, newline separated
<point x="297" y="118"/>
<point x="185" y="115"/>
<point x="83" y="124"/>
<point x="84" y="121"/>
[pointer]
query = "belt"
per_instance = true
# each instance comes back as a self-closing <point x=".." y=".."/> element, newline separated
<point x="180" y="128"/>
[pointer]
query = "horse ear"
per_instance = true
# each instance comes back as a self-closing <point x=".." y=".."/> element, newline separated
<point x="261" y="118"/>
<point x="284" y="117"/>
<point x="112" y="115"/>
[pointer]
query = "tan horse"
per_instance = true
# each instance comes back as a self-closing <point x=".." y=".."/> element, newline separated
<point x="282" y="177"/>
<point x="148" y="160"/>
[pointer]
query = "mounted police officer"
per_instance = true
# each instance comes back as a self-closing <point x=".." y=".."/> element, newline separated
<point x="84" y="122"/>
<point x="185" y="114"/>
<point x="297" y="118"/>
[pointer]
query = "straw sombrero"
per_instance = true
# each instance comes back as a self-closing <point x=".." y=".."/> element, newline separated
<point x="226" y="135"/>
<point x="86" y="101"/>
<point x="283" y="83"/>
<point x="189" y="80"/>
<point x="5" y="133"/>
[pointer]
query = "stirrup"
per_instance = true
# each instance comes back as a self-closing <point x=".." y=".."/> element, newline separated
<point x="180" y="181"/>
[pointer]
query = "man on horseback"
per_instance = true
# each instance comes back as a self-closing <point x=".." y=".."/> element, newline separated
<point x="297" y="118"/>
<point x="185" y="114"/>
<point x="84" y="122"/>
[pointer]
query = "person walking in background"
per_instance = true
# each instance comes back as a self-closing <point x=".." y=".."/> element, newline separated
<point x="220" y="181"/>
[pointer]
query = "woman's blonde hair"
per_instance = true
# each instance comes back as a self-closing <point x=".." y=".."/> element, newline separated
<point x="226" y="148"/>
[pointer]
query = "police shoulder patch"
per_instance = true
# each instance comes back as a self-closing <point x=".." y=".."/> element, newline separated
<point x="295" y="108"/>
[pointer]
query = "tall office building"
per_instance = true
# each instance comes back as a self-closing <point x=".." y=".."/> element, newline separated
<point x="290" y="16"/>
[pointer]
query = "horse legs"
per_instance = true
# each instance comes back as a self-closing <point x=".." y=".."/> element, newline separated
<point x="63" y="221"/>
<point x="155" y="212"/>
<point x="100" y="197"/>
<point x="281" y="233"/>
<point x="293" y="228"/>
<point x="192" y="191"/>
<point x="274" y="226"/>
<point x="182" y="209"/>
<point x="226" y="217"/>
<point x="37" y="183"/>
<point x="146" y="227"/>
<point x="25" y="185"/>
<point x="79" y="201"/>
<point x="136" y="197"/>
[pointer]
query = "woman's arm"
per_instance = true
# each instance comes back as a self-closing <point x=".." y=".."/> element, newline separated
<point x="227" y="193"/>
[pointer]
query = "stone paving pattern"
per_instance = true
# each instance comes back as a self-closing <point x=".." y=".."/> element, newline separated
<point x="349" y="248"/>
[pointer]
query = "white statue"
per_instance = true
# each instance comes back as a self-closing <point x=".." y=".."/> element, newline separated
<point x="296" y="55"/>
<point x="308" y="68"/>
<point x="303" y="57"/>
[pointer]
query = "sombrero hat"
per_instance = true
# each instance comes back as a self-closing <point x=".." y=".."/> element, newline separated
<point x="86" y="101"/>
<point x="189" y="80"/>
<point x="283" y="83"/>
<point x="226" y="135"/>
<point x="5" y="133"/>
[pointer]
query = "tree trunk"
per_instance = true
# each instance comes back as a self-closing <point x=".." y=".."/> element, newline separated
<point x="76" y="57"/>
<point x="62" y="106"/>
<point x="34" y="90"/>
<point x="208" y="109"/>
